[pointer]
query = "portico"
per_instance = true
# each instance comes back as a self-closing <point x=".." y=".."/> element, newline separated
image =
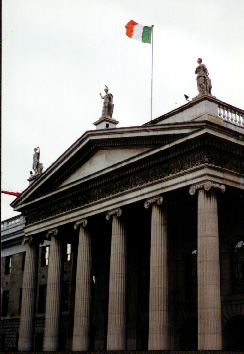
<point x="134" y="200"/>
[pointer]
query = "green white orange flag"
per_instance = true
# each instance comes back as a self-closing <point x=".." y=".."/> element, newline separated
<point x="136" y="31"/>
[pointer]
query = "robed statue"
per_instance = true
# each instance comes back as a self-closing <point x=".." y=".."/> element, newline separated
<point x="108" y="106"/>
<point x="204" y="85"/>
<point x="37" y="166"/>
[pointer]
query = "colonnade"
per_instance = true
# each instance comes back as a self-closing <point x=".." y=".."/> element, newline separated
<point x="209" y="300"/>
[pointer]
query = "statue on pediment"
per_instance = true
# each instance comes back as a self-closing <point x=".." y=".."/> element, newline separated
<point x="108" y="106"/>
<point x="204" y="85"/>
<point x="37" y="165"/>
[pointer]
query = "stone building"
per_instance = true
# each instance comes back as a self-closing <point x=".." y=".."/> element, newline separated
<point x="133" y="239"/>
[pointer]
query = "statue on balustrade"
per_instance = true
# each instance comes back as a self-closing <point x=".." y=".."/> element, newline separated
<point x="204" y="85"/>
<point x="108" y="106"/>
<point x="37" y="165"/>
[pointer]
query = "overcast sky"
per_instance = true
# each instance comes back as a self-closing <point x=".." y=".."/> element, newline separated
<point x="56" y="53"/>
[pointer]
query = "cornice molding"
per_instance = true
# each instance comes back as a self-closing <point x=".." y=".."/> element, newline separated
<point x="206" y="186"/>
<point x="115" y="212"/>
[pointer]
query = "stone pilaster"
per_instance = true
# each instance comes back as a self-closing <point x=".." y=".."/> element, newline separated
<point x="28" y="306"/>
<point x="158" y="337"/>
<point x="53" y="299"/>
<point x="116" y="336"/>
<point x="208" y="267"/>
<point x="83" y="289"/>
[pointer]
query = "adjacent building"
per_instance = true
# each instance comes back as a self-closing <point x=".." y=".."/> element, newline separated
<point x="133" y="239"/>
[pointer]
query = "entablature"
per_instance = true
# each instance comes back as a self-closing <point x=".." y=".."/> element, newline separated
<point x="188" y="160"/>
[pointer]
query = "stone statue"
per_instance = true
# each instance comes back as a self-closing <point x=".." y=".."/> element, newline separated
<point x="203" y="81"/>
<point x="108" y="105"/>
<point x="37" y="166"/>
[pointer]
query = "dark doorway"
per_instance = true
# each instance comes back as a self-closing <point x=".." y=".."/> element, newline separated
<point x="188" y="334"/>
<point x="234" y="334"/>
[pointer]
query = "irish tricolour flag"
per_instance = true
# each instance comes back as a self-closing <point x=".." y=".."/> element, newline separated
<point x="139" y="32"/>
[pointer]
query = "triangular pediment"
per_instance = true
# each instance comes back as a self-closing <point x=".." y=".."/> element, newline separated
<point x="101" y="160"/>
<point x="98" y="153"/>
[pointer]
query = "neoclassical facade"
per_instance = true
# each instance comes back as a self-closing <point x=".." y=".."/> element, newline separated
<point x="134" y="237"/>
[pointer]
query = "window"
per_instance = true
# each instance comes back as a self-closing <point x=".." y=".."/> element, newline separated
<point x="65" y="296"/>
<point x="238" y="267"/>
<point x="20" y="300"/>
<point x="68" y="252"/>
<point x="5" y="303"/>
<point x="42" y="298"/>
<point x="8" y="264"/>
<point x="23" y="261"/>
<point x="45" y="256"/>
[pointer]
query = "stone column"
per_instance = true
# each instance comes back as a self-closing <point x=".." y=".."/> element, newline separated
<point x="28" y="306"/>
<point x="53" y="300"/>
<point x="158" y="338"/>
<point x="116" y="336"/>
<point x="208" y="267"/>
<point x="83" y="289"/>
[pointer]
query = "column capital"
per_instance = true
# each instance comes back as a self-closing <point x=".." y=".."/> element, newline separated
<point x="28" y="239"/>
<point x="207" y="185"/>
<point x="51" y="232"/>
<point x="115" y="212"/>
<point x="82" y="222"/>
<point x="158" y="200"/>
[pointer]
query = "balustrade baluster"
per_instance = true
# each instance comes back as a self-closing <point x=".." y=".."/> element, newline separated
<point x="236" y="117"/>
<point x="241" y="119"/>
<point x="220" y="112"/>
<point x="224" y="113"/>
<point x="228" y="114"/>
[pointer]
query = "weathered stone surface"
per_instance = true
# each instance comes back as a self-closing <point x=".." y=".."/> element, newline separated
<point x="116" y="336"/>
<point x="158" y="336"/>
<point x="208" y="273"/>
<point x="53" y="298"/>
<point x="82" y="311"/>
<point x="28" y="307"/>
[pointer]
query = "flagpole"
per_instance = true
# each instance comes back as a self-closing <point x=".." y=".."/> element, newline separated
<point x="152" y="73"/>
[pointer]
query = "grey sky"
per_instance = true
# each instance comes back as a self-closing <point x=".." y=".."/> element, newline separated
<point x="56" y="51"/>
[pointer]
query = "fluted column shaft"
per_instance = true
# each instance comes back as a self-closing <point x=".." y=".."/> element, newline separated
<point x="28" y="306"/>
<point x="208" y="273"/>
<point x="83" y="291"/>
<point x="158" y="338"/>
<point x="53" y="299"/>
<point x="116" y="336"/>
